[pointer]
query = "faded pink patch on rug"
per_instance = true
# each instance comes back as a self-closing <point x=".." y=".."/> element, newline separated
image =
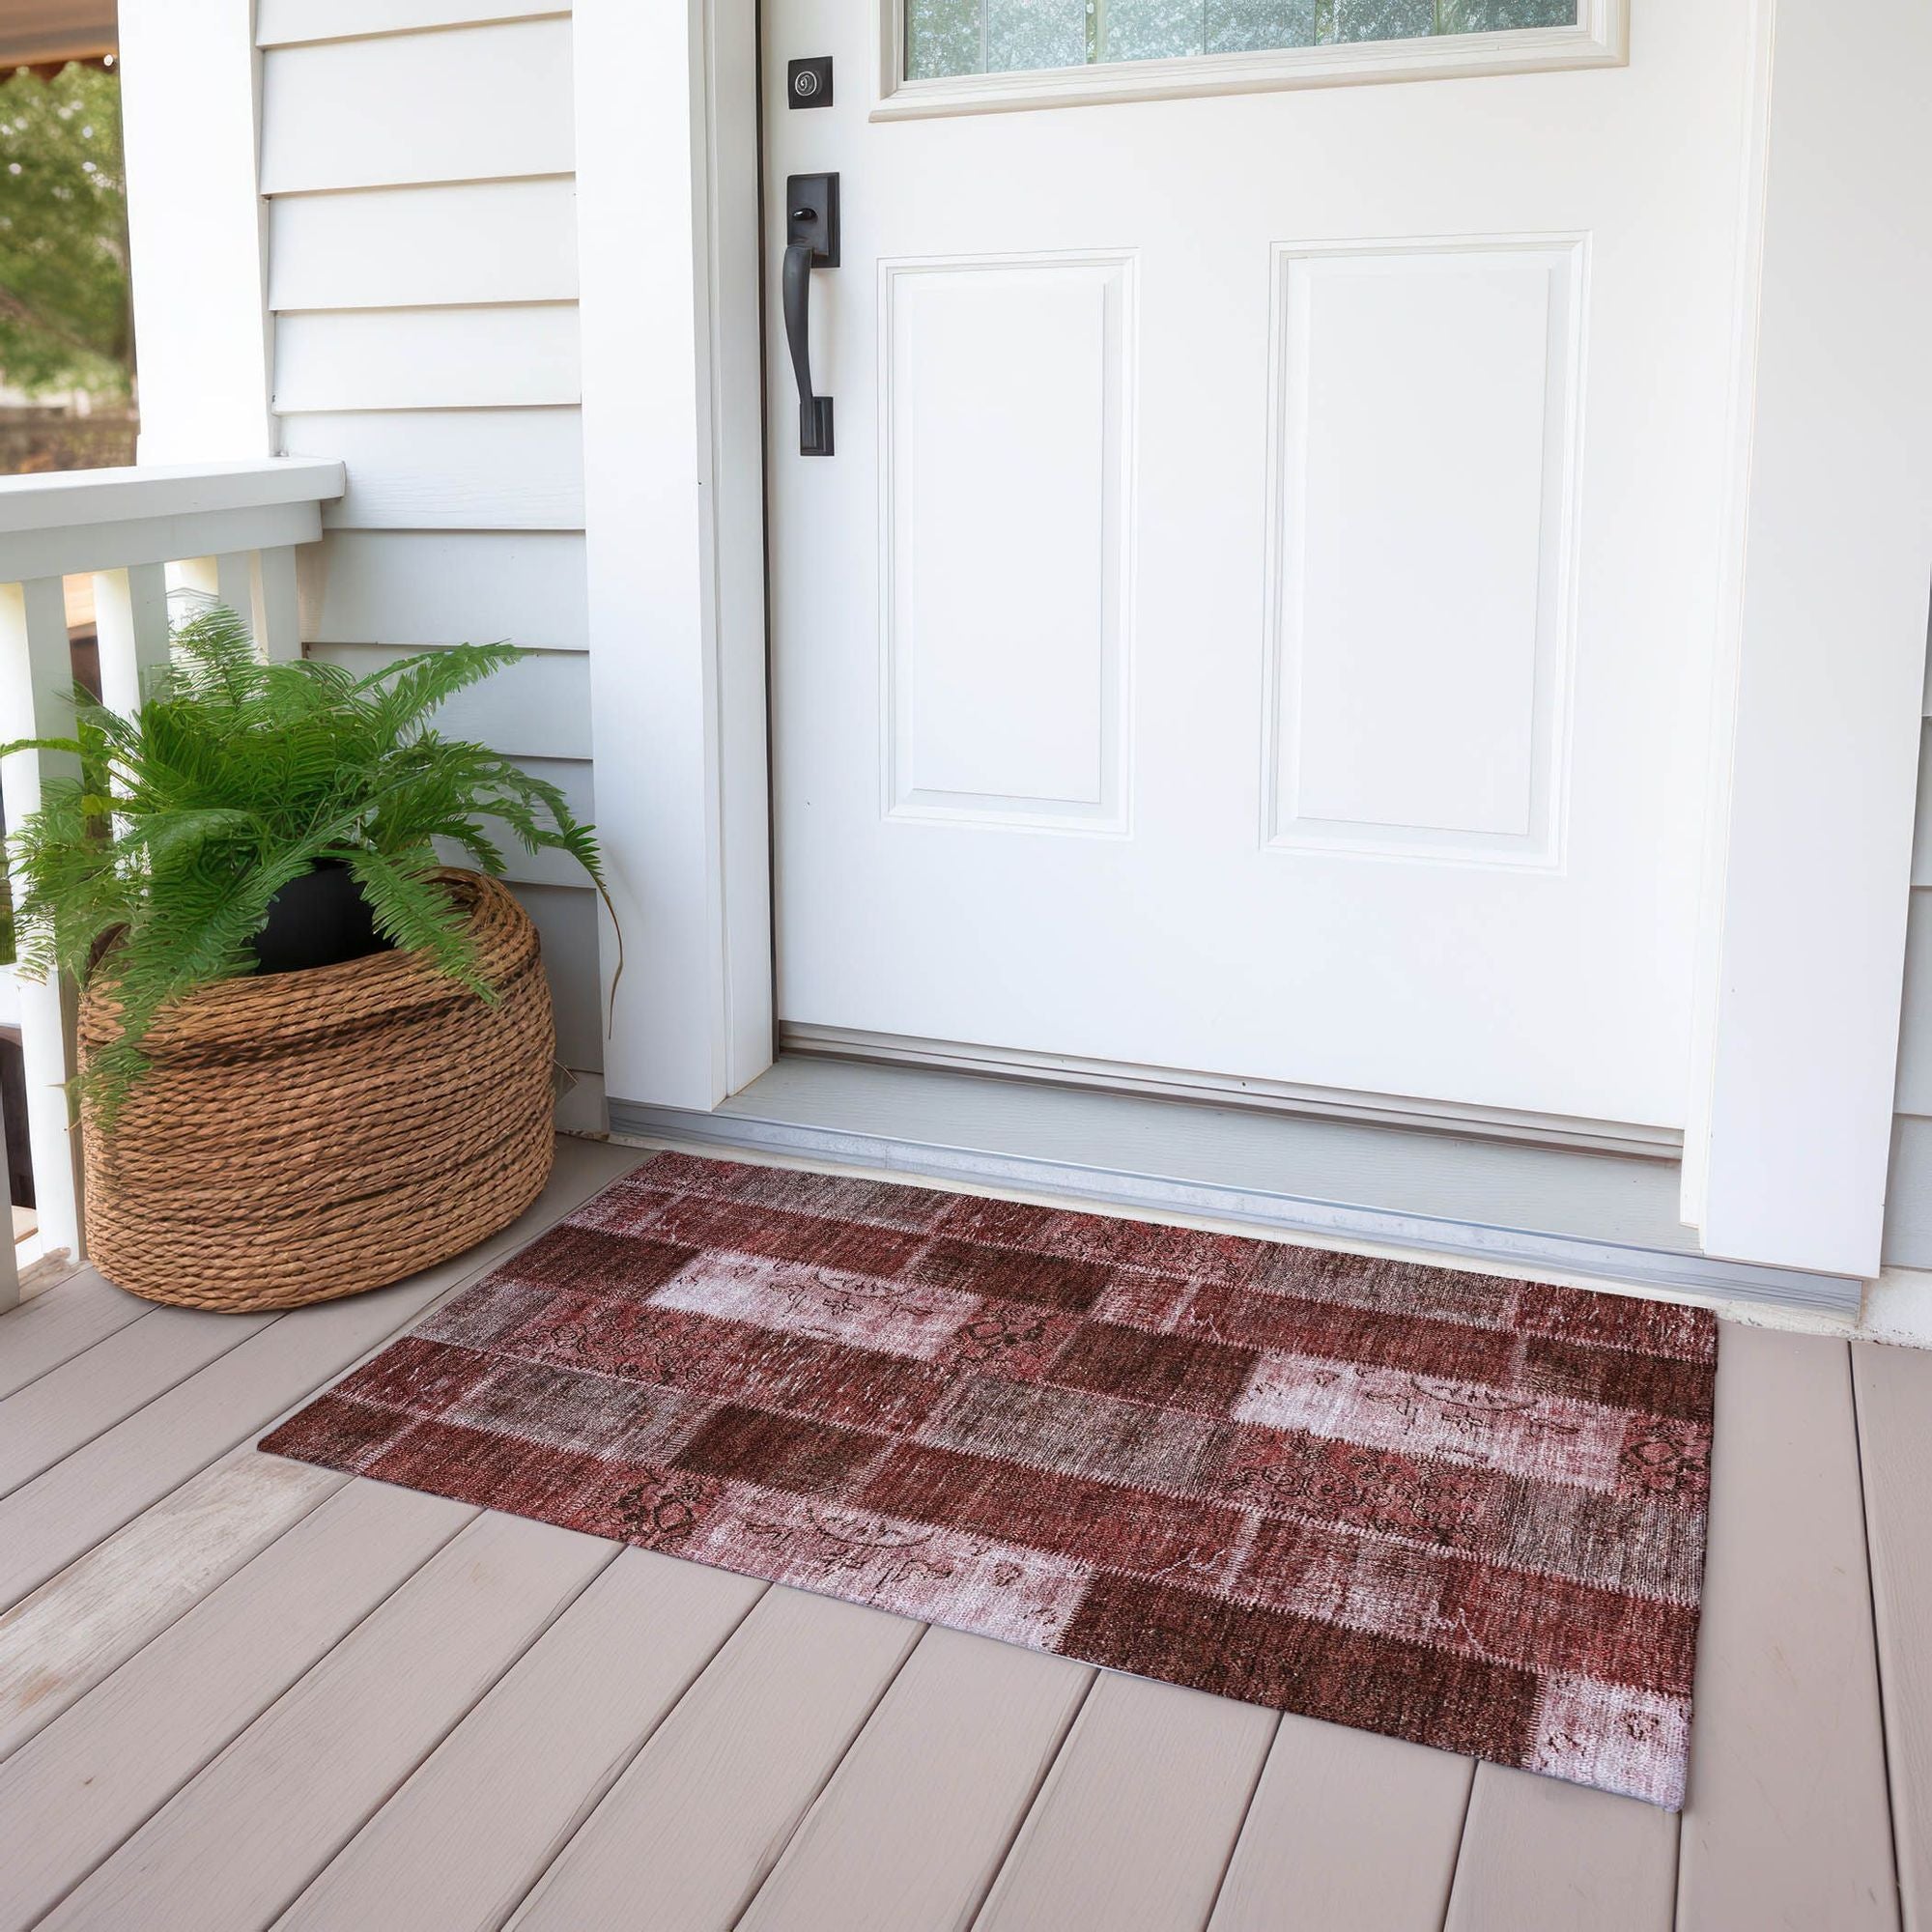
<point x="1453" y="1507"/>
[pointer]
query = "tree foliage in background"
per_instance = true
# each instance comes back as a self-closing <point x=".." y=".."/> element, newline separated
<point x="66" y="316"/>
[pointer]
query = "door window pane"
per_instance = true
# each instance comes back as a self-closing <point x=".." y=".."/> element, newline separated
<point x="949" y="37"/>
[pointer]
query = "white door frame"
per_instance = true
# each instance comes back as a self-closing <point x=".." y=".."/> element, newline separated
<point x="1808" y="859"/>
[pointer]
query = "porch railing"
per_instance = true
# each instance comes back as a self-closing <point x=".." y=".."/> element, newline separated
<point x="228" y="531"/>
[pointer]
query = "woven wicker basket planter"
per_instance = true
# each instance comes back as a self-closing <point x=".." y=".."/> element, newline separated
<point x="308" y="1135"/>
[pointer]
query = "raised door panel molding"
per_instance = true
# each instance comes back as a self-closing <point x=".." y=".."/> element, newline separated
<point x="1423" y="467"/>
<point x="1005" y="453"/>
<point x="475" y="103"/>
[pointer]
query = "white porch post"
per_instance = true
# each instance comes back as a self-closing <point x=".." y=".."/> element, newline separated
<point x="190" y="88"/>
<point x="667" y="235"/>
<point x="1791" y="1106"/>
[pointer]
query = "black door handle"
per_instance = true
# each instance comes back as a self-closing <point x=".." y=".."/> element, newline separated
<point x="811" y="241"/>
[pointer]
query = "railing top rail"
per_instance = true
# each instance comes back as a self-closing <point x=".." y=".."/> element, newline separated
<point x="67" y="498"/>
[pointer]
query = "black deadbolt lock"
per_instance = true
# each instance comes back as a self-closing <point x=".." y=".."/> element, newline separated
<point x="809" y="82"/>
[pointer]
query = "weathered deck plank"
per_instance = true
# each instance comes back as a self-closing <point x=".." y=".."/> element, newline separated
<point x="56" y="1518"/>
<point x="239" y="1841"/>
<point x="97" y="1775"/>
<point x="71" y="1632"/>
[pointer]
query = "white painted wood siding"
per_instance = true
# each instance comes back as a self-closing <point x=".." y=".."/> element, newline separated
<point x="423" y="279"/>
<point x="1908" y="1205"/>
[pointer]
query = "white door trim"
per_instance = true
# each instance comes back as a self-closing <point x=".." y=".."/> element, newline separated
<point x="668" y="240"/>
<point x="1808" y="880"/>
<point x="1810" y="869"/>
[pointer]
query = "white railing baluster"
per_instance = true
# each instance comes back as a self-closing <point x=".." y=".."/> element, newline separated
<point x="228" y="530"/>
<point x="276" y="613"/>
<point x="36" y="701"/>
<point x="130" y="617"/>
<point x="234" y="583"/>
<point x="9" y="1262"/>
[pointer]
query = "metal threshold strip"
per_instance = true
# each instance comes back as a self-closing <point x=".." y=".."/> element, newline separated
<point x="1509" y="1204"/>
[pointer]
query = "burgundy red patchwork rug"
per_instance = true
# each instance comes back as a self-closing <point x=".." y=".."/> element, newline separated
<point x="1457" y="1509"/>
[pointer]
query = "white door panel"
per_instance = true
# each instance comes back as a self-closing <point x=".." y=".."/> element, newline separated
<point x="1259" y="616"/>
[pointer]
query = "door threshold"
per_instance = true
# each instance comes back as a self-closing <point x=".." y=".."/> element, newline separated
<point x="1221" y="1090"/>
<point x="1510" y="1206"/>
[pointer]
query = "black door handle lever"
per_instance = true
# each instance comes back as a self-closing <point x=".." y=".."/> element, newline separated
<point x="811" y="241"/>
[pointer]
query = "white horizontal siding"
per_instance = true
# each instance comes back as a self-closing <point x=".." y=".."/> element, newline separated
<point x="283" y="22"/>
<point x="1915" y="1042"/>
<point x="422" y="277"/>
<point x="416" y="588"/>
<point x="413" y="358"/>
<point x="470" y="104"/>
<point x="1921" y="837"/>
<point x="565" y="918"/>
<point x="465" y="470"/>
<point x="537" y="708"/>
<point x="1908" y="1203"/>
<point x="1908" y="1214"/>
<point x="402" y="247"/>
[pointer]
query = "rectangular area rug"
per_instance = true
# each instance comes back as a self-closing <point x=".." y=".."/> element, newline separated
<point x="1451" y="1508"/>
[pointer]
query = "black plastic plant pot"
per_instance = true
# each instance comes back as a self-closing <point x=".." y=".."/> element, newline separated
<point x="319" y="919"/>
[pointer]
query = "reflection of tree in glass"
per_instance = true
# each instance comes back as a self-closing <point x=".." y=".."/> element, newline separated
<point x="66" y="321"/>
<point x="1004" y="35"/>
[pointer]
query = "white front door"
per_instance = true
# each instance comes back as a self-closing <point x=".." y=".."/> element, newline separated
<point x="1257" y="616"/>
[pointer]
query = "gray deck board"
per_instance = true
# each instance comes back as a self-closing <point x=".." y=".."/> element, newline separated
<point x="69" y="1405"/>
<point x="60" y="1515"/>
<point x="58" y="1323"/>
<point x="1138" y="1818"/>
<point x="241" y="1839"/>
<point x="1788" y="1821"/>
<point x="694" y="1827"/>
<point x="914" y="1824"/>
<point x="1538" y="1854"/>
<point x="245" y="1691"/>
<point x="1354" y="1830"/>
<point x="458" y="1845"/>
<point x="1894" y="1397"/>
<point x="115" y="1759"/>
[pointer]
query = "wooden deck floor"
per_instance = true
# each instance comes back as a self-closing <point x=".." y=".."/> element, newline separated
<point x="237" y="1692"/>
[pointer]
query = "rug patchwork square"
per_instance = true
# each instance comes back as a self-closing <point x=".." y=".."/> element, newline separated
<point x="1457" y="1509"/>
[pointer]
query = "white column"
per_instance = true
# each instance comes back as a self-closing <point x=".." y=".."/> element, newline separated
<point x="190" y="90"/>
<point x="35" y="683"/>
<point x="674" y="523"/>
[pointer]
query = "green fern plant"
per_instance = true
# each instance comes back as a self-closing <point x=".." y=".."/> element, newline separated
<point x="235" y="777"/>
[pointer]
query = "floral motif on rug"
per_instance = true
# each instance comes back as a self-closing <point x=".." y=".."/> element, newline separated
<point x="1453" y="1507"/>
